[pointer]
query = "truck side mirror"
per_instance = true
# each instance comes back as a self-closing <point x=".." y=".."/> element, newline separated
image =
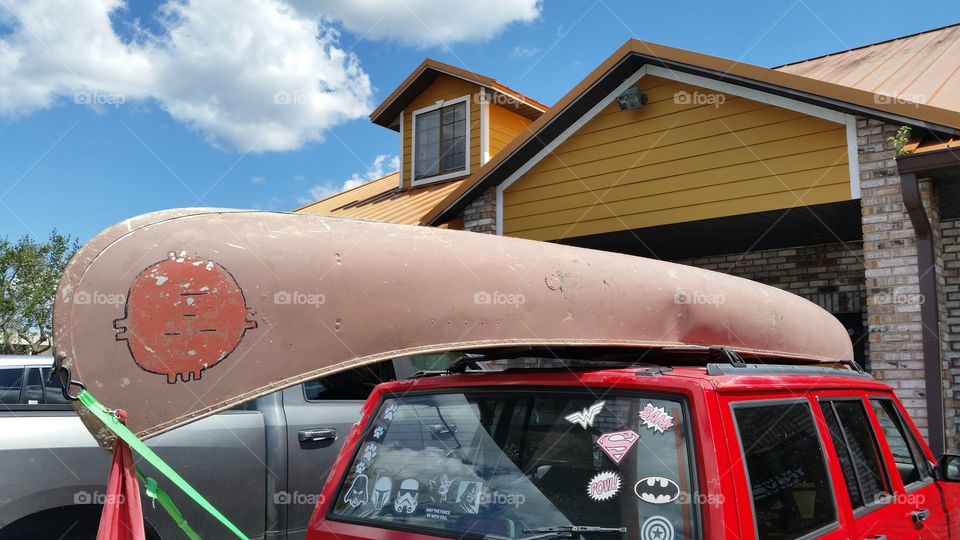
<point x="949" y="467"/>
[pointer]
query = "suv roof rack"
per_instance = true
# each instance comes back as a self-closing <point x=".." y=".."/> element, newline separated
<point x="784" y="369"/>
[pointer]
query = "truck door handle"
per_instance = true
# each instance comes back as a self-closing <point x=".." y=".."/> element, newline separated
<point x="317" y="435"/>
<point x="920" y="516"/>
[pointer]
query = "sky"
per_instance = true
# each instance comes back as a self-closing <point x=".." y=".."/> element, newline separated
<point x="112" y="108"/>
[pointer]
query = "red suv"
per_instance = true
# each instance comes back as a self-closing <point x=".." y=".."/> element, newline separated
<point x="698" y="444"/>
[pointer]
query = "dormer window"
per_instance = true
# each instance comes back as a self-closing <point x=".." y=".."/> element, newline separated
<point x="440" y="148"/>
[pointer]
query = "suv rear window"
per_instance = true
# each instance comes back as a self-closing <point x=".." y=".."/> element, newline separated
<point x="791" y="490"/>
<point x="505" y="465"/>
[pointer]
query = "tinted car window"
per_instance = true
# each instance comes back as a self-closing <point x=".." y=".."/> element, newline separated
<point x="490" y="463"/>
<point x="10" y="381"/>
<point x="857" y="451"/>
<point x="355" y="384"/>
<point x="32" y="393"/>
<point x="902" y="445"/>
<point x="791" y="491"/>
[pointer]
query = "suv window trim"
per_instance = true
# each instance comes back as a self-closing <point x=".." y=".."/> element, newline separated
<point x="696" y="514"/>
<point x="865" y="508"/>
<point x="764" y="402"/>
<point x="925" y="469"/>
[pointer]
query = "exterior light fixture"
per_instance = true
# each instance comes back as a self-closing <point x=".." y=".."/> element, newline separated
<point x="631" y="98"/>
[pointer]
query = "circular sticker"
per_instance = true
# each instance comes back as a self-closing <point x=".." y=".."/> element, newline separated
<point x="656" y="528"/>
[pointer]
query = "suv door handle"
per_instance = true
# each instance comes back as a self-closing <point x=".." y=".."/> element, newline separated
<point x="920" y="516"/>
<point x="317" y="434"/>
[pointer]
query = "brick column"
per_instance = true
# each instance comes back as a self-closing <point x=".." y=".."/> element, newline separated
<point x="892" y="275"/>
<point x="890" y="268"/>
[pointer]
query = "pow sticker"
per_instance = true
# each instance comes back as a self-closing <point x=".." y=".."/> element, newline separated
<point x="656" y="418"/>
<point x="616" y="445"/>
<point x="604" y="485"/>
<point x="586" y="416"/>
<point x="183" y="315"/>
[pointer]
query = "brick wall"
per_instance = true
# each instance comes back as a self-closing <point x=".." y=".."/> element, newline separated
<point x="481" y="214"/>
<point x="830" y="275"/>
<point x="950" y="234"/>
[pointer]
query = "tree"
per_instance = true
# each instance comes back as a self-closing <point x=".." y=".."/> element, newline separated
<point x="29" y="274"/>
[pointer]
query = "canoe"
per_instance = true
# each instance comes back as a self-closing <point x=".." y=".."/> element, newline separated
<point x="175" y="315"/>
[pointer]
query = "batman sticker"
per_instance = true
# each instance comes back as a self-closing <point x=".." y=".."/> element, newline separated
<point x="657" y="490"/>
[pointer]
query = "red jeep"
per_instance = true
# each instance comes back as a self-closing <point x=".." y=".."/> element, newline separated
<point x="691" y="443"/>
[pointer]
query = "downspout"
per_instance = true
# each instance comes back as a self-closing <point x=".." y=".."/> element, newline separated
<point x="929" y="312"/>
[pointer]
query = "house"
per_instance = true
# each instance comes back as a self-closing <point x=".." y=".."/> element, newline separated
<point x="799" y="176"/>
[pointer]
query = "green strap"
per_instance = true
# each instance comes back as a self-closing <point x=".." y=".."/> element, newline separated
<point x="109" y="420"/>
<point x="157" y="494"/>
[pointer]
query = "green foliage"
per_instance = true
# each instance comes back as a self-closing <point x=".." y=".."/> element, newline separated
<point x="900" y="139"/>
<point x="29" y="273"/>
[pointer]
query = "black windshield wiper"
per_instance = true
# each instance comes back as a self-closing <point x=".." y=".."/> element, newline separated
<point x="568" y="531"/>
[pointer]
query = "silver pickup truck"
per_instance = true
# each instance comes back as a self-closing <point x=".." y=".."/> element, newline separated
<point x="262" y="464"/>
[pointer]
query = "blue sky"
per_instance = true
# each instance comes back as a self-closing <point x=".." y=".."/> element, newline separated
<point x="173" y="131"/>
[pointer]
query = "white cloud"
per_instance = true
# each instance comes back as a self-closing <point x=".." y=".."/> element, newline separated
<point x="423" y="22"/>
<point x="249" y="74"/>
<point x="382" y="165"/>
<point x="258" y="179"/>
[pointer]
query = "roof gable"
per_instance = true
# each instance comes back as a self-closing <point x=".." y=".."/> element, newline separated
<point x="633" y="55"/>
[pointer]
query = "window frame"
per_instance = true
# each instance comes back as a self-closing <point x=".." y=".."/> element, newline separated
<point x="696" y="517"/>
<point x="836" y="524"/>
<point x="22" y="407"/>
<point x="414" y="181"/>
<point x="865" y="508"/>
<point x="916" y="451"/>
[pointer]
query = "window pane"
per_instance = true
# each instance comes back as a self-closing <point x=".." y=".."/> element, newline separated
<point x="792" y="495"/>
<point x="10" y="379"/>
<point x="901" y="445"/>
<point x="427" y="152"/>
<point x="843" y="455"/>
<point x="32" y="389"/>
<point x="857" y="451"/>
<point x="353" y="384"/>
<point x="864" y="450"/>
<point x="496" y="463"/>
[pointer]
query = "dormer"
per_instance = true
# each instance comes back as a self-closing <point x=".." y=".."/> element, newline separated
<point x="451" y="121"/>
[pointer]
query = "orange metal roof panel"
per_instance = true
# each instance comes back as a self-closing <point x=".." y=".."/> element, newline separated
<point x="922" y="68"/>
<point x="382" y="200"/>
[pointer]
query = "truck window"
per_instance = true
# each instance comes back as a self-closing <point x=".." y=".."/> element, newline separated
<point x="32" y="393"/>
<point x="10" y="381"/>
<point x="857" y="452"/>
<point x="791" y="490"/>
<point x="52" y="393"/>
<point x="355" y="384"/>
<point x="902" y="444"/>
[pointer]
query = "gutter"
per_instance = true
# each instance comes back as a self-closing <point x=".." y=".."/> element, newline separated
<point x="929" y="312"/>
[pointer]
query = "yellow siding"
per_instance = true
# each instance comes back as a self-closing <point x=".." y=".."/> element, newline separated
<point x="505" y="125"/>
<point x="443" y="88"/>
<point x="671" y="162"/>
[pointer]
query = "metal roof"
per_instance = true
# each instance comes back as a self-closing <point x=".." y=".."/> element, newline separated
<point x="383" y="200"/>
<point x="922" y="68"/>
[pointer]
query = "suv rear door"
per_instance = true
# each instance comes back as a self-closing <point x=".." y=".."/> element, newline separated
<point x="864" y="485"/>
<point x="785" y="474"/>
